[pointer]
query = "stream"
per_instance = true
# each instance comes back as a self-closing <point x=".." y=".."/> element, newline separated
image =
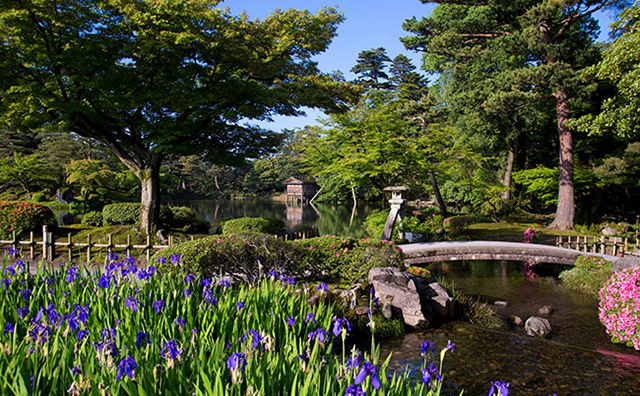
<point x="577" y="359"/>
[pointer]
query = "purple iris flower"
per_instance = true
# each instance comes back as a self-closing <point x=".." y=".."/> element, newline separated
<point x="72" y="274"/>
<point x="40" y="333"/>
<point x="237" y="361"/>
<point x="239" y="305"/>
<point x="82" y="334"/>
<point x="321" y="335"/>
<point x="111" y="256"/>
<point x="189" y="277"/>
<point x="339" y="324"/>
<point x="176" y="258"/>
<point x="104" y="281"/>
<point x="82" y="313"/>
<point x="179" y="322"/>
<point x="54" y="317"/>
<point x="126" y="366"/>
<point x="133" y="303"/>
<point x="162" y="260"/>
<point x="255" y="337"/>
<point x="142" y="339"/>
<point x="290" y="320"/>
<point x="224" y="283"/>
<point x="23" y="312"/>
<point x="355" y="361"/>
<point x="425" y="346"/>
<point x="272" y="274"/>
<point x="72" y="321"/>
<point x="11" y="270"/>
<point x="354" y="390"/>
<point x="499" y="388"/>
<point x="39" y="315"/>
<point x="6" y="283"/>
<point x="8" y="328"/>
<point x="25" y="294"/>
<point x="170" y="350"/>
<point x="291" y="280"/>
<point x="205" y="283"/>
<point x="368" y="370"/>
<point x="158" y="306"/>
<point x="209" y="298"/>
<point x="450" y="346"/>
<point x="310" y="317"/>
<point x="429" y="373"/>
<point x="322" y="287"/>
<point x="186" y="293"/>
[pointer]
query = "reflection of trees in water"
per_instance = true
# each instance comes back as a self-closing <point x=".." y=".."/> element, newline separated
<point x="325" y="218"/>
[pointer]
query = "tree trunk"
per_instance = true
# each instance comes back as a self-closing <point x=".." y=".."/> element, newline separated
<point x="565" y="212"/>
<point x="506" y="180"/>
<point x="150" y="195"/>
<point x="436" y="192"/>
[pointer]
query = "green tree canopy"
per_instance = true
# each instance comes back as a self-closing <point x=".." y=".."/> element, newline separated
<point x="506" y="56"/>
<point x="370" y="68"/>
<point x="620" y="66"/>
<point x="153" y="78"/>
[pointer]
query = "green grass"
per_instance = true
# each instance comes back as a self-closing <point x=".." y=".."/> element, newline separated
<point x="506" y="231"/>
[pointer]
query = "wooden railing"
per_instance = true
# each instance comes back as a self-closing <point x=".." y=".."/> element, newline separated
<point x="614" y="246"/>
<point x="50" y="248"/>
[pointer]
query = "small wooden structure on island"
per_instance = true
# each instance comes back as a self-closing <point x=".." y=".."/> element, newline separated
<point x="300" y="192"/>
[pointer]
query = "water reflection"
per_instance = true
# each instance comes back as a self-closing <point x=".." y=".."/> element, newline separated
<point x="323" y="218"/>
<point x="578" y="359"/>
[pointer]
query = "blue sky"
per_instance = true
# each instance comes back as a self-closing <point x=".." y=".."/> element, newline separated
<point x="368" y="24"/>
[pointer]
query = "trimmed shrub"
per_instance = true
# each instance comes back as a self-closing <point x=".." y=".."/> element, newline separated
<point x="121" y="213"/>
<point x="241" y="255"/>
<point x="620" y="307"/>
<point x="93" y="219"/>
<point x="252" y="224"/>
<point x="374" y="223"/>
<point x="588" y="275"/>
<point x="22" y="217"/>
<point x="183" y="218"/>
<point x="427" y="223"/>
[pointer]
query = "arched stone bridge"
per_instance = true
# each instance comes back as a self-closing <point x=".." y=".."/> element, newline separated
<point x="428" y="252"/>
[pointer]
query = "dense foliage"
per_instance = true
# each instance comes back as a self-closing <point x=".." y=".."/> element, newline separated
<point x="620" y="307"/>
<point x="252" y="224"/>
<point x="245" y="255"/>
<point x="121" y="213"/>
<point x="22" y="217"/>
<point x="589" y="275"/>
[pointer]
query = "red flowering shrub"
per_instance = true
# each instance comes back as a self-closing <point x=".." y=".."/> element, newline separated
<point x="620" y="307"/>
<point x="22" y="217"/>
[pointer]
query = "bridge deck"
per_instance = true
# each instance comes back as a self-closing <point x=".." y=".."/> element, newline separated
<point x="427" y="252"/>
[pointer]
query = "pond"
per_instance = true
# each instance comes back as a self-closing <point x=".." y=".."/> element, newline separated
<point x="322" y="218"/>
<point x="578" y="358"/>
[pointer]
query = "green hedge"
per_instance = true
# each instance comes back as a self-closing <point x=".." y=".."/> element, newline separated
<point x="121" y="213"/>
<point x="241" y="255"/>
<point x="93" y="219"/>
<point x="252" y="224"/>
<point x="248" y="254"/>
<point x="22" y="217"/>
<point x="183" y="218"/>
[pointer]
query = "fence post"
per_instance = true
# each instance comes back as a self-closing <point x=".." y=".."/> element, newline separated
<point x="14" y="244"/>
<point x="615" y="247"/>
<point x="128" y="245"/>
<point x="45" y="234"/>
<point x="603" y="246"/>
<point x="88" y="249"/>
<point x="31" y="245"/>
<point x="626" y="246"/>
<point x="110" y="247"/>
<point x="52" y="246"/>
<point x="69" y="247"/>
<point x="148" y="249"/>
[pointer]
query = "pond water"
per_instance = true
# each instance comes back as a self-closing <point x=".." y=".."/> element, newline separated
<point x="321" y="218"/>
<point x="578" y="358"/>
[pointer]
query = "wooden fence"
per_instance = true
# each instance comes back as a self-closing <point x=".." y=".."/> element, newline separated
<point x="614" y="246"/>
<point x="51" y="248"/>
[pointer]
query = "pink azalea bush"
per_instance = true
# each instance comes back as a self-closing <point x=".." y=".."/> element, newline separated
<point x="620" y="307"/>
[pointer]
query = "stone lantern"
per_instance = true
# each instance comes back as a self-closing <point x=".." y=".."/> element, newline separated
<point x="396" y="202"/>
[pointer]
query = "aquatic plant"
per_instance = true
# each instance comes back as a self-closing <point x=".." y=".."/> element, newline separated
<point x="620" y="307"/>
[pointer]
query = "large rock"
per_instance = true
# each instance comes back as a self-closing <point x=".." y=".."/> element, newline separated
<point x="625" y="262"/>
<point x="409" y="297"/>
<point x="536" y="326"/>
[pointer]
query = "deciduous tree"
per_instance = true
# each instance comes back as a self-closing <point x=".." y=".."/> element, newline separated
<point x="153" y="78"/>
